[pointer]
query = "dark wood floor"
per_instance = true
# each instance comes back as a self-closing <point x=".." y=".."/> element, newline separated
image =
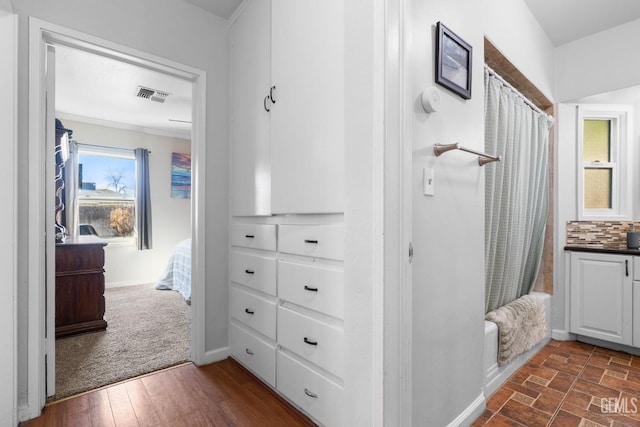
<point x="220" y="394"/>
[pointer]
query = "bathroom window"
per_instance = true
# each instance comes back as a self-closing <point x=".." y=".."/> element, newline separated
<point x="604" y="186"/>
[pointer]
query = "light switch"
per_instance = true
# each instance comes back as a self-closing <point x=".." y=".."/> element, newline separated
<point x="428" y="181"/>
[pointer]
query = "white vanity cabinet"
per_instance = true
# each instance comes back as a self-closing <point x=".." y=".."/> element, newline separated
<point x="287" y="128"/>
<point x="602" y="295"/>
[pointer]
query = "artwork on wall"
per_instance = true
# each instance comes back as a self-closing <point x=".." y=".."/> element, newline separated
<point x="181" y="175"/>
<point x="453" y="61"/>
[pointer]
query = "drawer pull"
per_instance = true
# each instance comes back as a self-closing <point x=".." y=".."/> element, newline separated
<point x="249" y="236"/>
<point x="315" y="242"/>
<point x="250" y="272"/>
<point x="307" y="288"/>
<point x="249" y="352"/>
<point x="309" y="393"/>
<point x="308" y="341"/>
<point x="246" y="310"/>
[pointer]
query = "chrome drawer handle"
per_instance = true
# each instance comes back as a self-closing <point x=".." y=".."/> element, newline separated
<point x="246" y="310"/>
<point x="307" y="288"/>
<point x="249" y="352"/>
<point x="309" y="393"/>
<point x="250" y="272"/>
<point x="308" y="341"/>
<point x="315" y="242"/>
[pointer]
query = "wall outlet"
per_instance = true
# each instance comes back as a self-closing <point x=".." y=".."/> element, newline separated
<point x="429" y="182"/>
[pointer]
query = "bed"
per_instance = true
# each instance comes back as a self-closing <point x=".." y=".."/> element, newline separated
<point x="177" y="274"/>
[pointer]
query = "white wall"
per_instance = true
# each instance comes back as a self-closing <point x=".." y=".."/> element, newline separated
<point x="179" y="32"/>
<point x="599" y="63"/>
<point x="171" y="217"/>
<point x="448" y="228"/>
<point x="512" y="28"/>
<point x="8" y="68"/>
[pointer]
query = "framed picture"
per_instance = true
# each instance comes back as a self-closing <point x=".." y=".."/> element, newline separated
<point x="181" y="175"/>
<point x="453" y="62"/>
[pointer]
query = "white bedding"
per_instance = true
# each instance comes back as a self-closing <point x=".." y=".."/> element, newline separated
<point x="177" y="275"/>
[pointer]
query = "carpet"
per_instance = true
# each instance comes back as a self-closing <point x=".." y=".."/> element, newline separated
<point x="148" y="330"/>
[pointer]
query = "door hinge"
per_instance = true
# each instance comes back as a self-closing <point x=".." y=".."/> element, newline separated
<point x="410" y="252"/>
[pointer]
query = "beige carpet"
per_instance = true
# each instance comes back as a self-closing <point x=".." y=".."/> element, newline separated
<point x="148" y="330"/>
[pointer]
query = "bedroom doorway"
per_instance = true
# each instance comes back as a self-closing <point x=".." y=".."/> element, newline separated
<point x="42" y="130"/>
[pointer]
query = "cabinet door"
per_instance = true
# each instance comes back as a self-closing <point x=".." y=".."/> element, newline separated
<point x="250" y="83"/>
<point x="307" y="120"/>
<point x="601" y="296"/>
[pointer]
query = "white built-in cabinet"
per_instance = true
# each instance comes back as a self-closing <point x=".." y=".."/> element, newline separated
<point x="286" y="269"/>
<point x="602" y="297"/>
<point x="287" y="103"/>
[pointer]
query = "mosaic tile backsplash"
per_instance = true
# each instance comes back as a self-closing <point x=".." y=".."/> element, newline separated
<point x="598" y="233"/>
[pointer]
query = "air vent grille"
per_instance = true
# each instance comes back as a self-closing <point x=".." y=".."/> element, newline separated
<point x="152" y="94"/>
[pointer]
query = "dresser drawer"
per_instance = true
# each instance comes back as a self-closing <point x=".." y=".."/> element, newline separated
<point x="253" y="311"/>
<point x="312" y="392"/>
<point x="256" y="236"/>
<point x="318" y="342"/>
<point x="254" y="353"/>
<point x="317" y="288"/>
<point x="321" y="241"/>
<point x="254" y="271"/>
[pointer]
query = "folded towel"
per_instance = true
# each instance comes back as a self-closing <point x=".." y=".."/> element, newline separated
<point x="521" y="325"/>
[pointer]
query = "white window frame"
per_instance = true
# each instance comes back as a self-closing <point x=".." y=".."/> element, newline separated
<point x="621" y="119"/>
<point x="117" y="153"/>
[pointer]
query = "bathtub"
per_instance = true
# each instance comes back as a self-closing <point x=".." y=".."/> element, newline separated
<point x="496" y="375"/>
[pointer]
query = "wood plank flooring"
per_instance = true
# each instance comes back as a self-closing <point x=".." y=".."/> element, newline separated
<point x="220" y="394"/>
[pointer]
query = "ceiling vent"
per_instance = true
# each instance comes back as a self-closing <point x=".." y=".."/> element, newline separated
<point x="151" y="94"/>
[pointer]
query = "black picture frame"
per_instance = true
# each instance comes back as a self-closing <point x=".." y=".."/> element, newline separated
<point x="454" y="60"/>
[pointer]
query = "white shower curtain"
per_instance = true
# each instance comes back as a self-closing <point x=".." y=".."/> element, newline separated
<point x="516" y="199"/>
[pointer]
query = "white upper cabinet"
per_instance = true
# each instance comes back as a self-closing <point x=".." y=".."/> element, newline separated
<point x="250" y="134"/>
<point x="287" y="133"/>
<point x="307" y="127"/>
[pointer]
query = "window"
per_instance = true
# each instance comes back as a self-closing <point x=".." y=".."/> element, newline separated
<point x="106" y="196"/>
<point x="604" y="185"/>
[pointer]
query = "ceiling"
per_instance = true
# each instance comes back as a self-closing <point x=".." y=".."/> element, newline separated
<point x="102" y="90"/>
<point x="567" y="20"/>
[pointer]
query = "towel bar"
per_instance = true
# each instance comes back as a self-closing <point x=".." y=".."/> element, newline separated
<point x="483" y="158"/>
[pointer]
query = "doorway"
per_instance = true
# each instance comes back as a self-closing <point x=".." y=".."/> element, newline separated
<point x="42" y="250"/>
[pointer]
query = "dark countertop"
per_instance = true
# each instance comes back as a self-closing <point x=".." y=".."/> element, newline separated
<point x="85" y="240"/>
<point x="617" y="248"/>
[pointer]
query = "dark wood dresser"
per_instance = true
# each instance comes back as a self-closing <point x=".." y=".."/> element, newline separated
<point x="80" y="286"/>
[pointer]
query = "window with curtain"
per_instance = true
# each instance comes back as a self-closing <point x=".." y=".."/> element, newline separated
<point x="106" y="192"/>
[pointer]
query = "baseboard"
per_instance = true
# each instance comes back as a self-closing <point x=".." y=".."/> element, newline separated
<point x="216" y="355"/>
<point x="27" y="412"/>
<point x="471" y="413"/>
<point x="562" y="335"/>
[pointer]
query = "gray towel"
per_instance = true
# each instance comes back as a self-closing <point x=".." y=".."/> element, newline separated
<point x="521" y="325"/>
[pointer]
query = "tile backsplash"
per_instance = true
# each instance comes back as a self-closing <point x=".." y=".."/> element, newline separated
<point x="597" y="233"/>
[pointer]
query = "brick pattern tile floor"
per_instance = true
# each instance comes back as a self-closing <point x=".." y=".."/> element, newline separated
<point x="567" y="384"/>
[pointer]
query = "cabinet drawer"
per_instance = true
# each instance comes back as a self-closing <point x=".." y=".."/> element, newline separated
<point x="311" y="339"/>
<point x="317" y="288"/>
<point x="253" y="311"/>
<point x="256" y="236"/>
<point x="321" y="241"/>
<point x="315" y="394"/>
<point x="257" y="355"/>
<point x="254" y="271"/>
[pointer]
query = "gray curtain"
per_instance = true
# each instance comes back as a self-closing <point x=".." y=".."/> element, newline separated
<point x="516" y="200"/>
<point x="143" y="199"/>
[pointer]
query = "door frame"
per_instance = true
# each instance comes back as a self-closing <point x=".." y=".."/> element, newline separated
<point x="42" y="33"/>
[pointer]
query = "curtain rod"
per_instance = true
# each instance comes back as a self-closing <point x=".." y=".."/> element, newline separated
<point x="107" y="147"/>
<point x="516" y="91"/>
